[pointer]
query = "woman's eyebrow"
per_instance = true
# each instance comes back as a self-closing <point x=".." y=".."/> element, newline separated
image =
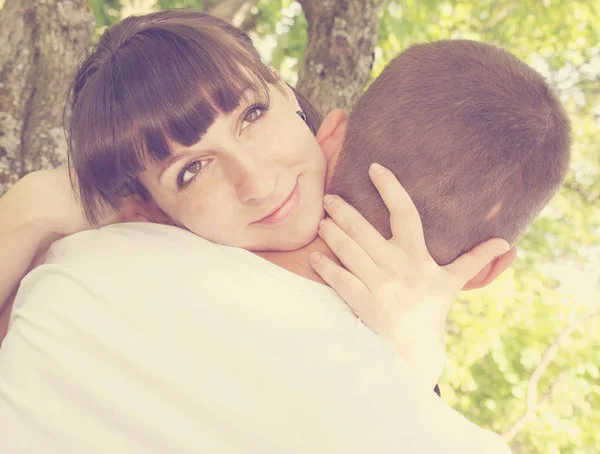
<point x="249" y="95"/>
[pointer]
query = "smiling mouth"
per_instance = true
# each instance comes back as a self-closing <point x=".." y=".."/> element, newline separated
<point x="282" y="211"/>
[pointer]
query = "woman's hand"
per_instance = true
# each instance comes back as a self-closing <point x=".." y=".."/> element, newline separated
<point x="395" y="287"/>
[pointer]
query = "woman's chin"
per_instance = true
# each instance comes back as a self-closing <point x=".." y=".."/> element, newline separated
<point x="286" y="242"/>
<point x="299" y="244"/>
<point x="302" y="237"/>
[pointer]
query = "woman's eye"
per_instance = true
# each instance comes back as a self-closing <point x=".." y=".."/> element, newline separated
<point x="189" y="172"/>
<point x="252" y="116"/>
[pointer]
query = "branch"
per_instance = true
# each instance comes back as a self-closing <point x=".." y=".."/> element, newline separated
<point x="524" y="419"/>
<point x="233" y="11"/>
<point x="249" y="23"/>
<point x="503" y="14"/>
<point x="590" y="195"/>
<point x="577" y="69"/>
<point x="532" y="400"/>
<point x="496" y="18"/>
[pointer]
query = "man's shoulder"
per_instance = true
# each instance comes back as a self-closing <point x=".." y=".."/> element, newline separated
<point x="148" y="257"/>
<point x="128" y="244"/>
<point x="130" y="235"/>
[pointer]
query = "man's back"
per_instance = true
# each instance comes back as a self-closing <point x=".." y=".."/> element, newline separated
<point x="186" y="346"/>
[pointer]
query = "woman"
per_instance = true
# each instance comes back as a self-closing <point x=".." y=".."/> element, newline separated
<point x="175" y="109"/>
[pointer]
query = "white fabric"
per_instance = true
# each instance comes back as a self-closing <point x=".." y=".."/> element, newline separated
<point x="142" y="338"/>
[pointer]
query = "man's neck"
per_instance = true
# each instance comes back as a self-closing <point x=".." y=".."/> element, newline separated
<point x="298" y="261"/>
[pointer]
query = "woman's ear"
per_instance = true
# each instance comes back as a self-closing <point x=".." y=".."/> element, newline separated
<point x="135" y="209"/>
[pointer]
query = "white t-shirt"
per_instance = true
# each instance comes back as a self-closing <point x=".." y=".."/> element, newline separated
<point x="142" y="338"/>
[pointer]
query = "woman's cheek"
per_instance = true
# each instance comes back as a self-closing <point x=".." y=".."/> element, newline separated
<point x="215" y="216"/>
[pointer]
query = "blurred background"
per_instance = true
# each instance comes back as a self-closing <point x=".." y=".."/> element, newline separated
<point x="524" y="354"/>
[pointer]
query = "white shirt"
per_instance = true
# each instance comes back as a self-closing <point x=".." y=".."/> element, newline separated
<point x="141" y="338"/>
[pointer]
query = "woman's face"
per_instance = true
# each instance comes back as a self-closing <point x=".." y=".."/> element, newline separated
<point x="255" y="180"/>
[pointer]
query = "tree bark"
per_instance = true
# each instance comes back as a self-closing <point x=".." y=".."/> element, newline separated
<point x="339" y="56"/>
<point x="40" y="43"/>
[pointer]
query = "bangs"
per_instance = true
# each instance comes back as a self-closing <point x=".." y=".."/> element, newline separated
<point x="166" y="84"/>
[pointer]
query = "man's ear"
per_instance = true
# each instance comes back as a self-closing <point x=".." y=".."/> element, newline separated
<point x="492" y="270"/>
<point x="330" y="137"/>
<point x="332" y="131"/>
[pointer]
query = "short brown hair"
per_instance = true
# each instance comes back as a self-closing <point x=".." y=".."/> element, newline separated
<point x="477" y="138"/>
<point x="153" y="80"/>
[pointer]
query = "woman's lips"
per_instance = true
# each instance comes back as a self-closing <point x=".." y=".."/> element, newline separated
<point x="285" y="210"/>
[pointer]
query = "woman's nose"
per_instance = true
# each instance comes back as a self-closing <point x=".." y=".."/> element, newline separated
<point x="256" y="181"/>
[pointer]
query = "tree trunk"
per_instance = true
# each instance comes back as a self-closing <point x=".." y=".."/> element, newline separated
<point x="40" y="43"/>
<point x="338" y="59"/>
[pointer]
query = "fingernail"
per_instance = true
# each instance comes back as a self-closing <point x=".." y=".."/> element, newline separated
<point x="377" y="168"/>
<point x="321" y="224"/>
<point x="505" y="247"/>
<point x="315" y="257"/>
<point x="504" y="251"/>
<point x="328" y="199"/>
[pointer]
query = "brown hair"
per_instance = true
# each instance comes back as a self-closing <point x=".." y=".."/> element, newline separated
<point x="476" y="137"/>
<point x="153" y="80"/>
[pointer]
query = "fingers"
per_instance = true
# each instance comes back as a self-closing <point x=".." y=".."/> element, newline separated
<point x="405" y="222"/>
<point x="350" y="253"/>
<point x="357" y="228"/>
<point x="465" y="267"/>
<point x="348" y="286"/>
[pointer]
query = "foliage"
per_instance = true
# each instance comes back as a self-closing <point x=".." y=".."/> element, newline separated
<point x="106" y="12"/>
<point x="498" y="336"/>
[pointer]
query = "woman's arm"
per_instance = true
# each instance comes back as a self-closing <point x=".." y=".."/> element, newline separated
<point x="25" y="236"/>
<point x="38" y="210"/>
<point x="19" y="246"/>
<point x="16" y="254"/>
<point x="22" y="236"/>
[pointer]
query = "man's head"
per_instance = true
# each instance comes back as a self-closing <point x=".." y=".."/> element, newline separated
<point x="477" y="138"/>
